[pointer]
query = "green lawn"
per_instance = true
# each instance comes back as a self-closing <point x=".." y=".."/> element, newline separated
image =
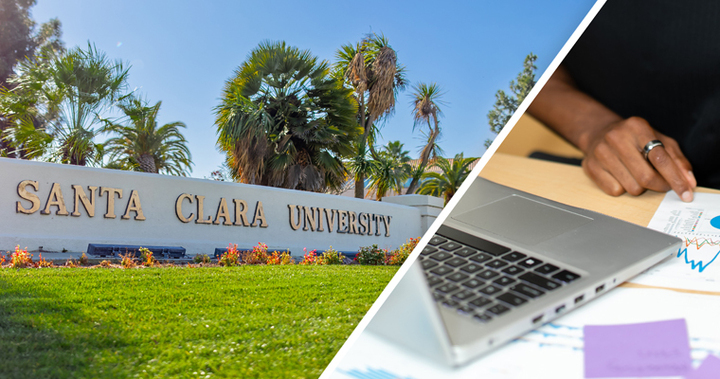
<point x="239" y="322"/>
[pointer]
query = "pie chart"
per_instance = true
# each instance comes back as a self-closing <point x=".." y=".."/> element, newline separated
<point x="715" y="222"/>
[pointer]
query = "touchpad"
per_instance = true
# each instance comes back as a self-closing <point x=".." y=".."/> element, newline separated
<point x="522" y="220"/>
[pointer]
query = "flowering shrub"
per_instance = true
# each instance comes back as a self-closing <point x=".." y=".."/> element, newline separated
<point x="310" y="258"/>
<point x="83" y="260"/>
<point x="71" y="263"/>
<point x="147" y="257"/>
<point x="258" y="255"/>
<point x="21" y="259"/>
<point x="398" y="256"/>
<point x="332" y="257"/>
<point x="43" y="263"/>
<point x="370" y="255"/>
<point x="2" y="260"/>
<point x="278" y="258"/>
<point x="127" y="260"/>
<point x="105" y="263"/>
<point x="202" y="258"/>
<point x="231" y="257"/>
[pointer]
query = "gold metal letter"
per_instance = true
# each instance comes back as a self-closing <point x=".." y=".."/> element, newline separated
<point x="222" y="212"/>
<point x="178" y="208"/>
<point x="377" y="227"/>
<point x="81" y="197"/>
<point x="259" y="216"/>
<point x="309" y="218"/>
<point x="293" y="224"/>
<point x="352" y="227"/>
<point x="200" y="218"/>
<point x="370" y="218"/>
<point x="342" y="222"/>
<point x="386" y="220"/>
<point x="241" y="213"/>
<point x="319" y="219"/>
<point x="134" y="205"/>
<point x="55" y="198"/>
<point x="111" y="199"/>
<point x="330" y="217"/>
<point x="362" y="223"/>
<point x="31" y="197"/>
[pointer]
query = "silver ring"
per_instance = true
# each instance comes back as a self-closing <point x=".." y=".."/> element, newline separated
<point x="649" y="146"/>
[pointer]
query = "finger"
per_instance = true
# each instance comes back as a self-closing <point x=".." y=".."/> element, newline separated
<point x="611" y="163"/>
<point x="625" y="142"/>
<point x="672" y="148"/>
<point x="673" y="174"/>
<point x="602" y="178"/>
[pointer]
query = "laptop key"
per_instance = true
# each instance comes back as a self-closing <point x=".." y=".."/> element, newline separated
<point x="504" y="281"/>
<point x="471" y="268"/>
<point x="473" y="283"/>
<point x="463" y="295"/>
<point x="513" y="270"/>
<point x="480" y="258"/>
<point x="488" y="274"/>
<point x="427" y="250"/>
<point x="456" y="277"/>
<point x="441" y="256"/>
<point x="498" y="309"/>
<point x="465" y="252"/>
<point x="428" y="264"/>
<point x="514" y="256"/>
<point x="547" y="268"/>
<point x="446" y="288"/>
<point x="539" y="281"/>
<point x="450" y="246"/>
<point x="456" y="262"/>
<point x="526" y="290"/>
<point x="566" y="276"/>
<point x="442" y="270"/>
<point x="433" y="280"/>
<point x="496" y="263"/>
<point x="511" y="299"/>
<point x="466" y="310"/>
<point x="481" y="317"/>
<point x="490" y="290"/>
<point x="480" y="302"/>
<point x="436" y="240"/>
<point x="450" y="303"/>
<point x="530" y="262"/>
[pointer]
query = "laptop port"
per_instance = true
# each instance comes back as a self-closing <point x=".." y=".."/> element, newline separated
<point x="579" y="299"/>
<point x="560" y="308"/>
<point x="599" y="288"/>
<point x="537" y="319"/>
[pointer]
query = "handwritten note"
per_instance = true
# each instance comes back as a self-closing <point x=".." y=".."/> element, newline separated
<point x="637" y="350"/>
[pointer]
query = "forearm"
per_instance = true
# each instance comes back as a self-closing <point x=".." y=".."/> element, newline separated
<point x="571" y="113"/>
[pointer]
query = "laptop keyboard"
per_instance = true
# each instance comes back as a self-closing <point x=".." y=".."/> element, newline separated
<point x="482" y="279"/>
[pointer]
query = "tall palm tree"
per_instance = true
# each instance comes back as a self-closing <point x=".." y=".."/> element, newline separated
<point x="371" y="69"/>
<point x="143" y="146"/>
<point x="390" y="170"/>
<point x="426" y="111"/>
<point x="284" y="121"/>
<point x="452" y="175"/>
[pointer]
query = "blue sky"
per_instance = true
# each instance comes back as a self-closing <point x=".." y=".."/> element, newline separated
<point x="182" y="52"/>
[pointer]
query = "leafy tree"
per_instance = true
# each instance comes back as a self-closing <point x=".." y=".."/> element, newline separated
<point x="426" y="110"/>
<point x="506" y="105"/>
<point x="284" y="121"/>
<point x="371" y="69"/>
<point x="389" y="170"/>
<point x="143" y="146"/>
<point x="72" y="91"/>
<point x="447" y="182"/>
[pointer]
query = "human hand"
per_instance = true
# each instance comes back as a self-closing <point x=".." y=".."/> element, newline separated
<point x="615" y="162"/>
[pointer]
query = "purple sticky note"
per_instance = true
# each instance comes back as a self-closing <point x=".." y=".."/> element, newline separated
<point x="709" y="369"/>
<point x="637" y="350"/>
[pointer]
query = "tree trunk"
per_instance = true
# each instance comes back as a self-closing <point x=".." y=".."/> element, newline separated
<point x="147" y="163"/>
<point x="360" y="186"/>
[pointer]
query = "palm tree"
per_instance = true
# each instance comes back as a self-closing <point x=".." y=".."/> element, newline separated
<point x="446" y="183"/>
<point x="284" y="121"/>
<point x="370" y="68"/>
<point x="56" y="104"/>
<point x="143" y="146"/>
<point x="390" y="170"/>
<point x="426" y="110"/>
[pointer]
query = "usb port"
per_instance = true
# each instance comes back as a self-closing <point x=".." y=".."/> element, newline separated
<point x="537" y="319"/>
<point x="560" y="308"/>
<point x="600" y="288"/>
<point x="579" y="299"/>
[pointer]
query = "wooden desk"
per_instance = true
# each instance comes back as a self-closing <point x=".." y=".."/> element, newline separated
<point x="569" y="185"/>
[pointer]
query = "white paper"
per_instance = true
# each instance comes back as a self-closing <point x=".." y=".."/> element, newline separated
<point x="696" y="266"/>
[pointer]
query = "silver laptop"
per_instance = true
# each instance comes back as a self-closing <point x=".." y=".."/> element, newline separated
<point x="505" y="262"/>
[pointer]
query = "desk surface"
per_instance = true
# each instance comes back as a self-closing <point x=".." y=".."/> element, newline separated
<point x="569" y="185"/>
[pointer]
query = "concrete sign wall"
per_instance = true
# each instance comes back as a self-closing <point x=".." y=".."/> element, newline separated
<point x="51" y="207"/>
